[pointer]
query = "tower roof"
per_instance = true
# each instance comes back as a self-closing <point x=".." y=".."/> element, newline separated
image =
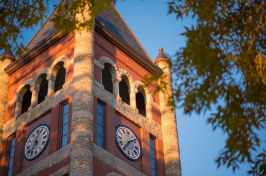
<point x="111" y="19"/>
<point x="161" y="57"/>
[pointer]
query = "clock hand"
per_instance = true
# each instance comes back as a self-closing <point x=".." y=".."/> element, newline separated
<point x="35" y="140"/>
<point x="128" y="142"/>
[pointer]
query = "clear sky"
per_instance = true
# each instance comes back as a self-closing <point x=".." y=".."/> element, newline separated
<point x="199" y="145"/>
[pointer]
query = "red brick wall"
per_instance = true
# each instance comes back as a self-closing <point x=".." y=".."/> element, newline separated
<point x="63" y="47"/>
<point x="103" y="47"/>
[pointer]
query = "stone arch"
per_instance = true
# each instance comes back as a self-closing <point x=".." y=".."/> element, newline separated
<point x="148" y="95"/>
<point x="39" y="76"/>
<point x="112" y="174"/>
<point x="60" y="61"/>
<point x="114" y="69"/>
<point x="21" y="89"/>
<point x="130" y="79"/>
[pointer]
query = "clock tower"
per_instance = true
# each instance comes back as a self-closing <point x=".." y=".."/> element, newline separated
<point x="77" y="104"/>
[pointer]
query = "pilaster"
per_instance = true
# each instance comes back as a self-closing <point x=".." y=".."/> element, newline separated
<point x="81" y="145"/>
<point x="4" y="79"/>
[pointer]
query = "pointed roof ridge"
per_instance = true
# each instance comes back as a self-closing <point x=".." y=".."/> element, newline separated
<point x="132" y="33"/>
<point x="108" y="18"/>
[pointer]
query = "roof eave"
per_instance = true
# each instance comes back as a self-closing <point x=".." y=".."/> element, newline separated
<point x="143" y="61"/>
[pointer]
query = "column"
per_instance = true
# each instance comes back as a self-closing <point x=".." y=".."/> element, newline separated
<point x="34" y="97"/>
<point x="18" y="108"/>
<point x="51" y="82"/>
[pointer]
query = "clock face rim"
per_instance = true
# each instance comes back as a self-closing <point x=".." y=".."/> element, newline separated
<point x="45" y="145"/>
<point x="122" y="151"/>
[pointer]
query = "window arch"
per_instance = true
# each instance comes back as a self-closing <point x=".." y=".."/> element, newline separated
<point x="26" y="99"/>
<point x="42" y="85"/>
<point x="140" y="102"/>
<point x="124" y="90"/>
<point x="60" y="77"/>
<point x="107" y="78"/>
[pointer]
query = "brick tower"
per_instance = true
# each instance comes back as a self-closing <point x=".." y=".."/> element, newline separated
<point x="76" y="104"/>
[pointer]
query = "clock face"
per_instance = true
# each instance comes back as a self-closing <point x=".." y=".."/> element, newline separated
<point x="128" y="142"/>
<point x="36" y="142"/>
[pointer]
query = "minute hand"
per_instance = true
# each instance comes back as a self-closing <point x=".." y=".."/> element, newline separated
<point x="128" y="142"/>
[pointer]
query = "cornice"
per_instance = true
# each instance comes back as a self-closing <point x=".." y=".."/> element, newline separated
<point x="31" y="54"/>
<point x="143" y="61"/>
<point x="100" y="28"/>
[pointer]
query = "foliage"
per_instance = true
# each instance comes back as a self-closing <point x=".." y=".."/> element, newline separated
<point x="222" y="69"/>
<point x="16" y="15"/>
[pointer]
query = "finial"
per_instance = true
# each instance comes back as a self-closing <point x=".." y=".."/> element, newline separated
<point x="162" y="57"/>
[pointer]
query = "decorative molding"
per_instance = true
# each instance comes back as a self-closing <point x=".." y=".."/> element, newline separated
<point x="15" y="123"/>
<point x="128" y="112"/>
<point x="98" y="84"/>
<point x="46" y="70"/>
<point x="98" y="64"/>
<point x="48" y="162"/>
<point x="41" y="47"/>
<point x="115" y="162"/>
<point x="62" y="171"/>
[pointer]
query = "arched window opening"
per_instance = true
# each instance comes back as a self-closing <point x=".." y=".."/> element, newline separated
<point x="141" y="104"/>
<point x="26" y="101"/>
<point x="43" y="90"/>
<point x="124" y="91"/>
<point x="60" y="78"/>
<point x="107" y="79"/>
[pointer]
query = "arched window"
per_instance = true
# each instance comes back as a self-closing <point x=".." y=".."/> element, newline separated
<point x="43" y="90"/>
<point x="141" y="104"/>
<point x="107" y="79"/>
<point x="26" y="101"/>
<point x="124" y="91"/>
<point x="60" y="78"/>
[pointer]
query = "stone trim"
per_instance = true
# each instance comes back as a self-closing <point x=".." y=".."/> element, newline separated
<point x="62" y="171"/>
<point x="14" y="124"/>
<point x="64" y="152"/>
<point x="98" y="64"/>
<point x="48" y="162"/>
<point x="128" y="112"/>
<point x="115" y="162"/>
<point x="47" y="70"/>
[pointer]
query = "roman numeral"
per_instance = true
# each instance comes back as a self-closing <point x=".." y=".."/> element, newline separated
<point x="43" y="142"/>
<point x="44" y="137"/>
<point x="135" y="151"/>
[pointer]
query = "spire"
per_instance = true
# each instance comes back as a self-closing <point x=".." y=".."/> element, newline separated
<point x="162" y="57"/>
<point x="8" y="54"/>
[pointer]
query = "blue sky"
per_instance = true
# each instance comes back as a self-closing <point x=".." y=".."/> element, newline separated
<point x="199" y="145"/>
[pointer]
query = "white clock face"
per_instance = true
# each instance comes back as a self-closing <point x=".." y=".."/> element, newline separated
<point x="36" y="142"/>
<point x="128" y="142"/>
